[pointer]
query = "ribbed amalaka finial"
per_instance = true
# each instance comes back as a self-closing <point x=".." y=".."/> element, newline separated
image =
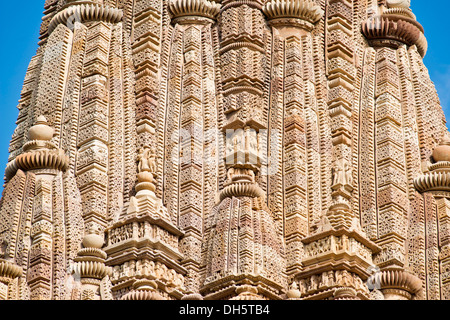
<point x="186" y="10"/>
<point x="437" y="179"/>
<point x="90" y="265"/>
<point x="396" y="284"/>
<point x="143" y="289"/>
<point x="293" y="12"/>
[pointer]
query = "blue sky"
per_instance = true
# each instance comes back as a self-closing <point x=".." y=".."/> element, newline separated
<point x="19" y="34"/>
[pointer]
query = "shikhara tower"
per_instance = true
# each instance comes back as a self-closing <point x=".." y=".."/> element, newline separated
<point x="234" y="149"/>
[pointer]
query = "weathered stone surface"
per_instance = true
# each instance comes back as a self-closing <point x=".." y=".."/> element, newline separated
<point x="233" y="149"/>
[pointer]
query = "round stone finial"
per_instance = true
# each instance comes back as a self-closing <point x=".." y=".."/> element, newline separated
<point x="405" y="4"/>
<point x="93" y="241"/>
<point x="41" y="130"/>
<point x="442" y="151"/>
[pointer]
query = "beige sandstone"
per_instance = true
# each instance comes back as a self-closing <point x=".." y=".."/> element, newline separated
<point x="234" y="149"/>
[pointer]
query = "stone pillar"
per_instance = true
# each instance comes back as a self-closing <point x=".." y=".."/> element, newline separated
<point x="41" y="157"/>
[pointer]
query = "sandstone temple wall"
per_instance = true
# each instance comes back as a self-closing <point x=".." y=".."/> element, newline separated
<point x="227" y="149"/>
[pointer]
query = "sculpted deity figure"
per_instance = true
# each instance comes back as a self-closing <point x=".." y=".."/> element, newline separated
<point x="147" y="160"/>
<point x="342" y="173"/>
<point x="325" y="281"/>
<point x="399" y="4"/>
<point x="151" y="267"/>
<point x="314" y="283"/>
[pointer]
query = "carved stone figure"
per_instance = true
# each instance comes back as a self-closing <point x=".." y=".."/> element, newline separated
<point x="399" y="3"/>
<point x="342" y="173"/>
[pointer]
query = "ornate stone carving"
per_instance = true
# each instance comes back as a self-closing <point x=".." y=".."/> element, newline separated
<point x="39" y="152"/>
<point x="303" y="13"/>
<point x="85" y="11"/>
<point x="233" y="149"/>
<point x="396" y="24"/>
<point x="183" y="11"/>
